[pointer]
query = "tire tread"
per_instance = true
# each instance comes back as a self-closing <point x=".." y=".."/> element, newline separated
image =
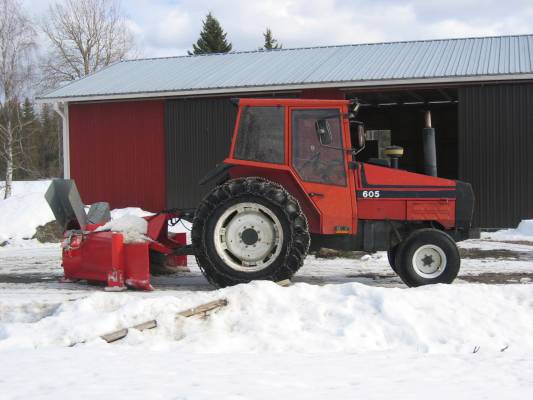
<point x="298" y="240"/>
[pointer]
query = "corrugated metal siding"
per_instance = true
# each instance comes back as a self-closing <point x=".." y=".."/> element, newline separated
<point x="471" y="57"/>
<point x="198" y="136"/>
<point x="496" y="151"/>
<point x="117" y="153"/>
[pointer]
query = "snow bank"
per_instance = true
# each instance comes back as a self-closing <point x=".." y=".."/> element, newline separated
<point x="24" y="211"/>
<point x="524" y="231"/>
<point x="263" y="317"/>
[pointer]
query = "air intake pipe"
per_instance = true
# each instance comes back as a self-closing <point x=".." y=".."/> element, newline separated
<point x="430" y="150"/>
<point x="394" y="153"/>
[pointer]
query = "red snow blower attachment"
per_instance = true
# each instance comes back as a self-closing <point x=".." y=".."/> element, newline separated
<point x="95" y="249"/>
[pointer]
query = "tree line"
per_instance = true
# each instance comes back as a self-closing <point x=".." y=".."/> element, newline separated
<point x="80" y="38"/>
<point x="213" y="38"/>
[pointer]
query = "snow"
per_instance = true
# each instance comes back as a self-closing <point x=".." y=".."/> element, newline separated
<point x="524" y="231"/>
<point x="132" y="227"/>
<point x="264" y="317"/>
<point x="301" y="342"/>
<point x="129" y="211"/>
<point x="132" y="373"/>
<point x="353" y="336"/>
<point x="24" y="211"/>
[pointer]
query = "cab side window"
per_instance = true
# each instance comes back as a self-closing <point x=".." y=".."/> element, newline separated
<point x="313" y="161"/>
<point x="261" y="135"/>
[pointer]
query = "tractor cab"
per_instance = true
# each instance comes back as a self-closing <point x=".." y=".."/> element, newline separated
<point x="305" y="146"/>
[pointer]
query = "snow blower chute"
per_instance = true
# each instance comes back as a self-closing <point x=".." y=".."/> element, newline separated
<point x="96" y="251"/>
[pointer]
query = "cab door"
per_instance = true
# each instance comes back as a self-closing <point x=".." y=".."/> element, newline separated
<point x="321" y="170"/>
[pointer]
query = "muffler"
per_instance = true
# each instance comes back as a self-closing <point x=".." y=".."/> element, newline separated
<point x="430" y="149"/>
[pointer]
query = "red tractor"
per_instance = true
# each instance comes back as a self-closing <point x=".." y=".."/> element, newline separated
<point x="292" y="182"/>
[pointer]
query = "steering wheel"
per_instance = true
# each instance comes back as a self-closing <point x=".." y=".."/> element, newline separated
<point x="315" y="158"/>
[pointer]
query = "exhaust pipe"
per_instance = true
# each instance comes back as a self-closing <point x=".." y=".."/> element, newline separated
<point x="430" y="150"/>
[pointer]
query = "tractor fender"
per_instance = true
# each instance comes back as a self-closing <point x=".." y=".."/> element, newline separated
<point x="216" y="174"/>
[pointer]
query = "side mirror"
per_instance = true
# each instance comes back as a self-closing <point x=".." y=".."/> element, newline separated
<point x="323" y="131"/>
<point x="361" y="137"/>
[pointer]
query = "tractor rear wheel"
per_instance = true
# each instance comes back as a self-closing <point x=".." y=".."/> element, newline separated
<point x="249" y="229"/>
<point x="427" y="256"/>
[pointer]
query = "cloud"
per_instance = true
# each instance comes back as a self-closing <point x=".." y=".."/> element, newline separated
<point x="169" y="27"/>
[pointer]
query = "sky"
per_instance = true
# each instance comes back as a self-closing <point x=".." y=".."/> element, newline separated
<point x="169" y="27"/>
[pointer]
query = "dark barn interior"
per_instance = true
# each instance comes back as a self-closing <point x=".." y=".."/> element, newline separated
<point x="484" y="136"/>
<point x="400" y="117"/>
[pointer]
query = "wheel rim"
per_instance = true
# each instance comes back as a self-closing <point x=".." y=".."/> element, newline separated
<point x="429" y="261"/>
<point x="248" y="237"/>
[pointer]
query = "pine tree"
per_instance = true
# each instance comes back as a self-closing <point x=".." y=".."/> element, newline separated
<point x="51" y="143"/>
<point x="29" y="159"/>
<point x="270" y="42"/>
<point x="212" y="38"/>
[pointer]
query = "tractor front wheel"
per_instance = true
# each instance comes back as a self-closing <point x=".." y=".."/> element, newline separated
<point x="427" y="256"/>
<point x="249" y="229"/>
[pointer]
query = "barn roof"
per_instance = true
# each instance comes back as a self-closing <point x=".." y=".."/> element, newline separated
<point x="396" y="63"/>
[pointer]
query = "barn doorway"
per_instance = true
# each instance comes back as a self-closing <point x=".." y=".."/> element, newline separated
<point x="398" y="117"/>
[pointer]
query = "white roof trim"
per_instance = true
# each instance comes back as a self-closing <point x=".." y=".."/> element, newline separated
<point x="277" y="88"/>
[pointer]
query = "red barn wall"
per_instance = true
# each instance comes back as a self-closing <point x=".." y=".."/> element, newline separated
<point x="117" y="153"/>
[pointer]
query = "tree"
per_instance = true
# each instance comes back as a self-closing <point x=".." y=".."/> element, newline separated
<point x="212" y="38"/>
<point x="84" y="36"/>
<point x="28" y="161"/>
<point x="17" y="44"/>
<point x="50" y="143"/>
<point x="270" y="42"/>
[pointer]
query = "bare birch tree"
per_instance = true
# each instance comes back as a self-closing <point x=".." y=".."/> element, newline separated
<point x="84" y="36"/>
<point x="17" y="43"/>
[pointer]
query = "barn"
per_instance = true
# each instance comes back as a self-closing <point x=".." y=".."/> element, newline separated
<point x="144" y="132"/>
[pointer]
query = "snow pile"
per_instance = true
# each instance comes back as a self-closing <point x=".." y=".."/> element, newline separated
<point x="525" y="227"/>
<point x="24" y="211"/>
<point x="131" y="223"/>
<point x="132" y="227"/>
<point x="524" y="231"/>
<point x="264" y="317"/>
<point x="135" y="211"/>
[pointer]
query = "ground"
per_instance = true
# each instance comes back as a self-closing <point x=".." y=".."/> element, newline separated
<point x="346" y="328"/>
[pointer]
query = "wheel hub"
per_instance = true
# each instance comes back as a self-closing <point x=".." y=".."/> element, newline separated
<point x="248" y="237"/>
<point x="429" y="261"/>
